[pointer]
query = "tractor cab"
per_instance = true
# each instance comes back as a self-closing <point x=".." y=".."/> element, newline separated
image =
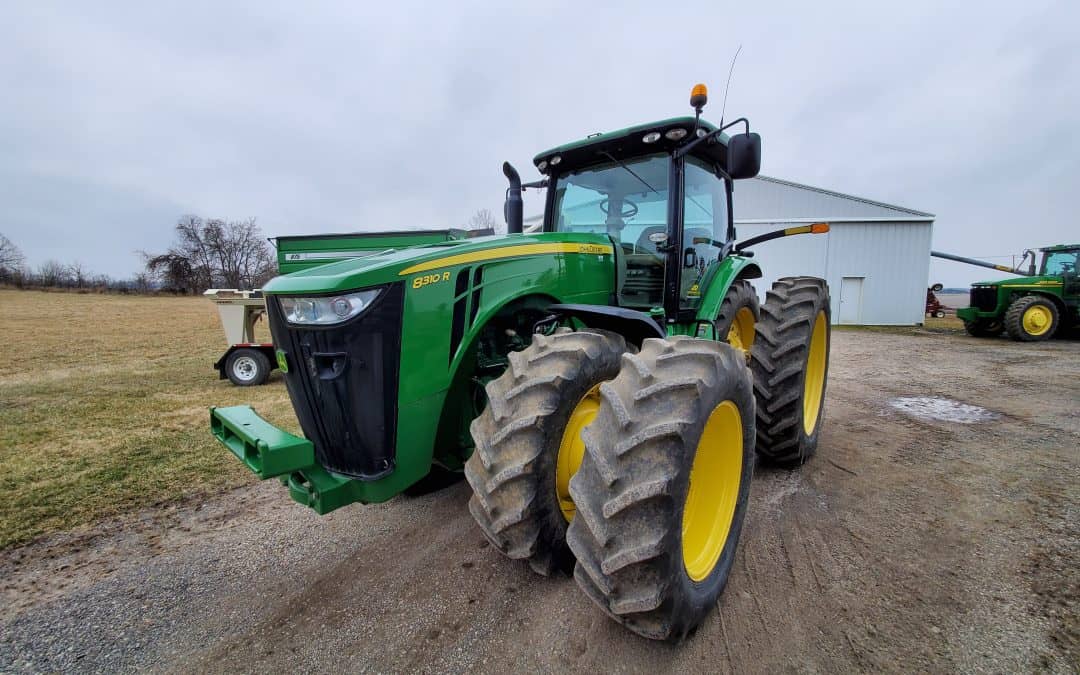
<point x="1059" y="260"/>
<point x="1063" y="261"/>
<point x="662" y="193"/>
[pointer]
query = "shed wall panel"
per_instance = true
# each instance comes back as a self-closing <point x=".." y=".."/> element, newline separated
<point x="892" y="258"/>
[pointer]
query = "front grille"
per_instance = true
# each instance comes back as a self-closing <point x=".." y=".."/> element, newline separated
<point x="343" y="383"/>
<point x="984" y="298"/>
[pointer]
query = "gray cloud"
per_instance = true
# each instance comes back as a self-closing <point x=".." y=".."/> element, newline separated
<point x="118" y="119"/>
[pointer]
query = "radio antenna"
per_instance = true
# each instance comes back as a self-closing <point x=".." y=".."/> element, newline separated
<point x="731" y="70"/>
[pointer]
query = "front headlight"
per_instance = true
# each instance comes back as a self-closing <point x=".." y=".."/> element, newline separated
<point x="327" y="310"/>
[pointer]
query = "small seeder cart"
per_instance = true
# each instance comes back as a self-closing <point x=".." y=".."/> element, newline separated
<point x="246" y="362"/>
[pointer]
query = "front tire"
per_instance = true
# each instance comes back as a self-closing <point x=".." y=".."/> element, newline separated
<point x="528" y="443"/>
<point x="663" y="488"/>
<point x="984" y="328"/>
<point x="738" y="315"/>
<point x="790" y="361"/>
<point x="1032" y="318"/>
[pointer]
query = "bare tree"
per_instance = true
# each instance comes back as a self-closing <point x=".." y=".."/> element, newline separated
<point x="52" y="274"/>
<point x="11" y="258"/>
<point x="243" y="255"/>
<point x="141" y="282"/>
<point x="483" y="220"/>
<point x="78" y="274"/>
<point x="214" y="252"/>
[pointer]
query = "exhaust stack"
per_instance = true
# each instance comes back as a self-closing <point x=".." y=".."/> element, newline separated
<point x="513" y="206"/>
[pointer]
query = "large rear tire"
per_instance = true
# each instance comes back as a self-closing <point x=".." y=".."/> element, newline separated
<point x="1032" y="318"/>
<point x="663" y="488"/>
<point x="528" y="443"/>
<point x="790" y="362"/>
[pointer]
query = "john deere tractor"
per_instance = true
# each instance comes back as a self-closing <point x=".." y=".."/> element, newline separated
<point x="604" y="383"/>
<point x="1044" y="302"/>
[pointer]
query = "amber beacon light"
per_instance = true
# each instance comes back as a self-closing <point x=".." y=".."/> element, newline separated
<point x="699" y="96"/>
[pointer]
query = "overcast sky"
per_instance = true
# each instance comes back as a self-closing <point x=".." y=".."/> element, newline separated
<point x="118" y="118"/>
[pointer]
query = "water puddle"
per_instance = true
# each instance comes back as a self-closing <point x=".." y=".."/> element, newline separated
<point x="942" y="409"/>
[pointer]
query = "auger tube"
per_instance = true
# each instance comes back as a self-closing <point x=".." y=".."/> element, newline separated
<point x="980" y="263"/>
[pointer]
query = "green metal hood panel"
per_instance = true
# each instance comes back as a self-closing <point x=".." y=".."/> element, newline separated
<point x="398" y="265"/>
<point x="1023" y="282"/>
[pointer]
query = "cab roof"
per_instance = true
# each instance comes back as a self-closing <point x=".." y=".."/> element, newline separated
<point x="1061" y="247"/>
<point x="628" y="142"/>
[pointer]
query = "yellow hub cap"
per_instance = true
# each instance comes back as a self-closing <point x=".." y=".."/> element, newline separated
<point x="814" y="384"/>
<point x="1037" y="320"/>
<point x="572" y="449"/>
<point x="714" y="491"/>
<point x="741" y="333"/>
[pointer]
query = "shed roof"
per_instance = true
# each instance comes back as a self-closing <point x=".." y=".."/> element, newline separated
<point x="766" y="199"/>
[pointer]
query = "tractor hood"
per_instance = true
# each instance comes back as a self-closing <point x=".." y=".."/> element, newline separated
<point x="1026" y="283"/>
<point x="401" y="264"/>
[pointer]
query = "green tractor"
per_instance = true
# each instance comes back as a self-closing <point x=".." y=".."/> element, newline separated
<point x="1045" y="302"/>
<point x="604" y="383"/>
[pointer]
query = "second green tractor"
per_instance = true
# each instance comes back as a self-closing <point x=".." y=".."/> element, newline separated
<point x="605" y="383"/>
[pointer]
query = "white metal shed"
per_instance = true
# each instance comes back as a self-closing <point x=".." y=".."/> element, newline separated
<point x="876" y="257"/>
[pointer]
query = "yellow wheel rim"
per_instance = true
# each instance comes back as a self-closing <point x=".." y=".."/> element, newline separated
<point x="714" y="491"/>
<point x="1037" y="320"/>
<point x="572" y="449"/>
<point x="741" y="333"/>
<point x="814" y="385"/>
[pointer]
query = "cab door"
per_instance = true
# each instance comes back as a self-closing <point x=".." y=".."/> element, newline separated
<point x="702" y="214"/>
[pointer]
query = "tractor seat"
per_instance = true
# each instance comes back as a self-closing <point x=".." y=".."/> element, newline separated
<point x="646" y="245"/>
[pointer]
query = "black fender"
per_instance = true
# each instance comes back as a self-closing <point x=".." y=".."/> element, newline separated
<point x="749" y="271"/>
<point x="633" y="325"/>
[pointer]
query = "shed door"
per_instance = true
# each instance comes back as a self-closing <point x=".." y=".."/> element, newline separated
<point x="850" y="299"/>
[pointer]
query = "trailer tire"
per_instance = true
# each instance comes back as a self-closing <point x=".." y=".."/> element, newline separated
<point x="940" y="314"/>
<point x="663" y="488"/>
<point x="1032" y="318"/>
<point x="984" y="328"/>
<point x="790" y="362"/>
<point x="247" y="367"/>
<point x="738" y="315"/>
<point x="528" y="443"/>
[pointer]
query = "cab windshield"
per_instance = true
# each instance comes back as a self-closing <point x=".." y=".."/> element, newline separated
<point x="628" y="201"/>
<point x="622" y="199"/>
<point x="1060" y="263"/>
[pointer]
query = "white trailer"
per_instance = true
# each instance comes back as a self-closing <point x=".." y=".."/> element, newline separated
<point x="246" y="362"/>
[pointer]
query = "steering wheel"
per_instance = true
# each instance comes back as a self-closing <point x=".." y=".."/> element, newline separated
<point x="629" y="208"/>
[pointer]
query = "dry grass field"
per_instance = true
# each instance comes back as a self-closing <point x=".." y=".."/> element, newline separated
<point x="103" y="407"/>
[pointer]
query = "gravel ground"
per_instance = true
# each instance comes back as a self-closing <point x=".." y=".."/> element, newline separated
<point x="908" y="544"/>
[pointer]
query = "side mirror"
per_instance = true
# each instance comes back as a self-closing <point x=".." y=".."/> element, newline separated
<point x="744" y="155"/>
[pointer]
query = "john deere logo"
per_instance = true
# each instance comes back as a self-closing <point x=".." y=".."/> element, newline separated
<point x="594" y="248"/>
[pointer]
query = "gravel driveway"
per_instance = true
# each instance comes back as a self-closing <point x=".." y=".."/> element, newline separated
<point x="908" y="543"/>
